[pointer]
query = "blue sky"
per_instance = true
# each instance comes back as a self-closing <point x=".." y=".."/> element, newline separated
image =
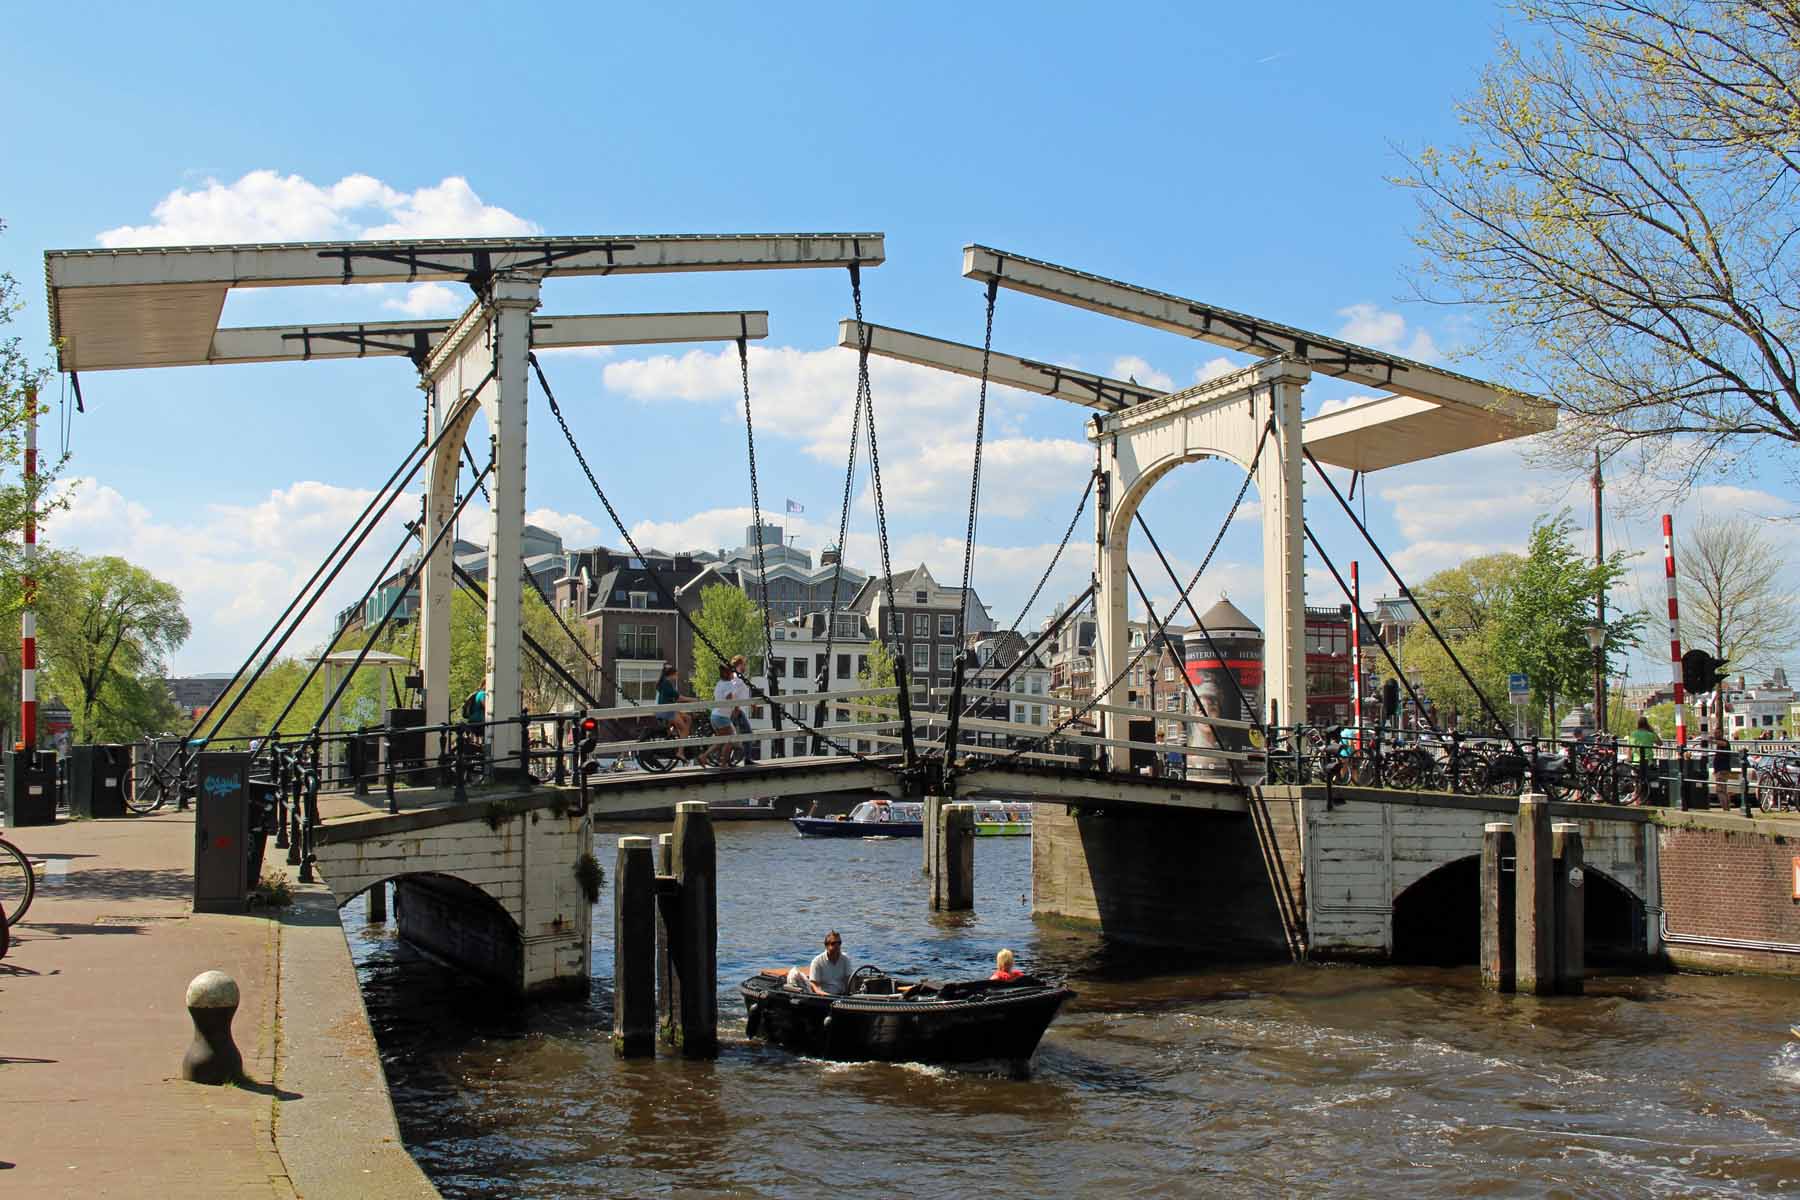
<point x="1237" y="155"/>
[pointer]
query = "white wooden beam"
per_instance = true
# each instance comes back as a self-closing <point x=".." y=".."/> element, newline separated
<point x="1046" y="379"/>
<point x="388" y="339"/>
<point x="1254" y="335"/>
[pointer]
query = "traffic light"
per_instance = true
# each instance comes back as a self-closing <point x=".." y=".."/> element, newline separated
<point x="1701" y="672"/>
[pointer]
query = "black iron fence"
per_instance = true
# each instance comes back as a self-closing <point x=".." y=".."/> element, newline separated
<point x="1603" y="770"/>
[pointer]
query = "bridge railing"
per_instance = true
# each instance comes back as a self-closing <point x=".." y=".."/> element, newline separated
<point x="1607" y="770"/>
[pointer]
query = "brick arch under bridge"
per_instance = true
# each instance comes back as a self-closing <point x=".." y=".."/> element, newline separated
<point x="494" y="893"/>
<point x="1370" y="854"/>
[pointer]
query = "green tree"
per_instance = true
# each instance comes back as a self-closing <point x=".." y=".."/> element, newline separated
<point x="1543" y="626"/>
<point x="544" y="690"/>
<point x="877" y="672"/>
<point x="734" y="624"/>
<point x="105" y="635"/>
<point x="1622" y="215"/>
<point x="1662" y="719"/>
<point x="1429" y="666"/>
<point x="1732" y="594"/>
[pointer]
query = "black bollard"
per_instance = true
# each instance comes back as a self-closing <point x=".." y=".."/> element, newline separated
<point x="697" y="936"/>
<point x="212" y="1057"/>
<point x="634" y="949"/>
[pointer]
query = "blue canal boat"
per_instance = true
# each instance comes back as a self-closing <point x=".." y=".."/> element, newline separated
<point x="906" y="819"/>
<point x="885" y="1020"/>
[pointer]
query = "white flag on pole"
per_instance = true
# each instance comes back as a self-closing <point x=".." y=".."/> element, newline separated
<point x="794" y="507"/>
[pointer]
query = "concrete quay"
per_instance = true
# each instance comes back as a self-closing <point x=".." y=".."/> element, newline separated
<point x="93" y="1028"/>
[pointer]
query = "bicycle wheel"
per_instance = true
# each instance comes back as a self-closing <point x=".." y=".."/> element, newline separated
<point x="17" y="884"/>
<point x="656" y="761"/>
<point x="148" y="790"/>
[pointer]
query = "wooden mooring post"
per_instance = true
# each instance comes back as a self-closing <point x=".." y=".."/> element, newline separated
<point x="634" y="949"/>
<point x="1497" y="921"/>
<point x="1533" y="915"/>
<point x="932" y="807"/>
<point x="1535" y="944"/>
<point x="665" y="966"/>
<point x="1570" y="907"/>
<point x="696" y="932"/>
<point x="953" y="877"/>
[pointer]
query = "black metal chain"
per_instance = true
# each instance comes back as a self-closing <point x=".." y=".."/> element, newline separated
<point x="599" y="671"/>
<point x="1077" y="714"/>
<point x="987" y="350"/>
<point x="762" y="566"/>
<point x="655" y="581"/>
<point x="837" y="573"/>
<point x="1080" y="507"/>
<point x="887" y="566"/>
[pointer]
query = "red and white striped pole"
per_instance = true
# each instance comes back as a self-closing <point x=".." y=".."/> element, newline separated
<point x="1356" y="653"/>
<point x="28" y="618"/>
<point x="1674" y="628"/>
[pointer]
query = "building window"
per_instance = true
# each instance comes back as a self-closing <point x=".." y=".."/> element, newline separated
<point x="638" y="641"/>
<point x="1037" y="715"/>
<point x="918" y="698"/>
<point x="946" y="657"/>
<point x="898" y="623"/>
<point x="843" y="716"/>
<point x="922" y="626"/>
<point x="780" y="666"/>
<point x="844" y="626"/>
<point x="799" y="668"/>
<point x="946" y="625"/>
<point x="921" y="657"/>
<point x="640" y="599"/>
<point x="638" y="684"/>
<point x="862" y="665"/>
<point x="843" y="666"/>
<point x="1168" y="673"/>
<point x="921" y="598"/>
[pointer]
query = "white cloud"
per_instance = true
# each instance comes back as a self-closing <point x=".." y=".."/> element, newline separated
<point x="1338" y="404"/>
<point x="237" y="565"/>
<point x="1130" y="366"/>
<point x="1213" y="368"/>
<point x="429" y="300"/>
<point x="1369" y="325"/>
<point x="265" y="206"/>
<point x="1017" y="475"/>
<point x="575" y="530"/>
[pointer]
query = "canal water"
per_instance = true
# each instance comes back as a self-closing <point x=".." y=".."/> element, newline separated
<point x="1163" y="1078"/>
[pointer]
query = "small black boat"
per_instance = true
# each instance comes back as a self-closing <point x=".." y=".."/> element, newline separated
<point x="885" y="1020"/>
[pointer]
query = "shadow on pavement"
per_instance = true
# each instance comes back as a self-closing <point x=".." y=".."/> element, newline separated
<point x="125" y="883"/>
<point x="269" y="1089"/>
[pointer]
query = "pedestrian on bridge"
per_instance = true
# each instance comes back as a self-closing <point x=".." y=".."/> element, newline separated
<point x="740" y="717"/>
<point x="724" y="707"/>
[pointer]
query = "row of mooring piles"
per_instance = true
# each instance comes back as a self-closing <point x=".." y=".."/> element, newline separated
<point x="1533" y="905"/>
<point x="949" y="836"/>
<point x="665" y="939"/>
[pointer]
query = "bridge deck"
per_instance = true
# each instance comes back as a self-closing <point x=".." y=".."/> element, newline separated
<point x="642" y="795"/>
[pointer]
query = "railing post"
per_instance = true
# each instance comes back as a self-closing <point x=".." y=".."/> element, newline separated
<point x="562" y="734"/>
<point x="1744" y="779"/>
<point x="312" y="812"/>
<point x="279" y="771"/>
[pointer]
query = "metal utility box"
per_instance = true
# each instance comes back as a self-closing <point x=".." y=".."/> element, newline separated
<point x="97" y="779"/>
<point x="222" y="820"/>
<point x="405" y="740"/>
<point x="1142" y="761"/>
<point x="30" y="788"/>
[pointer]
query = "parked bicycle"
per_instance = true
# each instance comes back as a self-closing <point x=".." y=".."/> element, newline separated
<point x="156" y="777"/>
<point x="1777" y="778"/>
<point x="18" y="884"/>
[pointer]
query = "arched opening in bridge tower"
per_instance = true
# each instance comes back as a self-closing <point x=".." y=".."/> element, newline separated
<point x="462" y="924"/>
<point x="1438" y="919"/>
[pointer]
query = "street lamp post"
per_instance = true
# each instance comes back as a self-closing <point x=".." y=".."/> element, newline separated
<point x="1596" y="636"/>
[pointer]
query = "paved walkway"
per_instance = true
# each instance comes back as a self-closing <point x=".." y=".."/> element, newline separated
<point x="93" y="1028"/>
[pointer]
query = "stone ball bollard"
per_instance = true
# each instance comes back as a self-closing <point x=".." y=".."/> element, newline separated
<point x="212" y="1001"/>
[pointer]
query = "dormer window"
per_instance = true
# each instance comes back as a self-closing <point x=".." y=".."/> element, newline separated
<point x="640" y="599"/>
